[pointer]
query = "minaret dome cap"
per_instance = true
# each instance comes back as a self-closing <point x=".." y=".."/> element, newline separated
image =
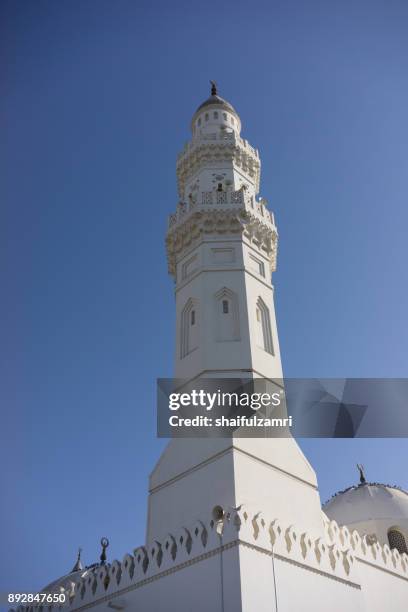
<point x="215" y="101"/>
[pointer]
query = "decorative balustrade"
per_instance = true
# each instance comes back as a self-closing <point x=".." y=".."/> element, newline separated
<point x="221" y="200"/>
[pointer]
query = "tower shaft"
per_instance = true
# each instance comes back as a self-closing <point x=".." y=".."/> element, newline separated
<point x="222" y="248"/>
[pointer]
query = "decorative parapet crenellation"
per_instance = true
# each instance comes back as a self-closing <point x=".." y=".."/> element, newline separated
<point x="222" y="147"/>
<point x="221" y="212"/>
<point x="366" y="549"/>
<point x="287" y="544"/>
<point x="222" y="136"/>
<point x="335" y="556"/>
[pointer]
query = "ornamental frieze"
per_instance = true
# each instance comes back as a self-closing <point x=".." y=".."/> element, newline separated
<point x="227" y="222"/>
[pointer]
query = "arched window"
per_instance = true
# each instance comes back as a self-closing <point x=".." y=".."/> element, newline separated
<point x="226" y="316"/>
<point x="263" y="326"/>
<point x="215" y="115"/>
<point x="188" y="328"/>
<point x="396" y="540"/>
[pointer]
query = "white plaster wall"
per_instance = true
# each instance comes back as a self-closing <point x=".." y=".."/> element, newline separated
<point x="382" y="591"/>
<point x="271" y="476"/>
<point x="298" y="589"/>
<point x="204" y="281"/>
<point x="264" y="363"/>
<point x="196" y="476"/>
<point x="302" y="590"/>
<point x="195" y="588"/>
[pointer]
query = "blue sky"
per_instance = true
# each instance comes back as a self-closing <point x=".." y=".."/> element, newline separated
<point x="97" y="100"/>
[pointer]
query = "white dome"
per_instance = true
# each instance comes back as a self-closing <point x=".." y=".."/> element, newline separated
<point x="215" y="114"/>
<point x="367" y="502"/>
<point x="65" y="583"/>
<point x="371" y="508"/>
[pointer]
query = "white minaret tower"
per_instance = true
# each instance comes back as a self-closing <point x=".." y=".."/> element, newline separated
<point x="221" y="249"/>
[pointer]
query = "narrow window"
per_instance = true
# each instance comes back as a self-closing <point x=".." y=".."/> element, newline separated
<point x="264" y="331"/>
<point x="215" y="115"/>
<point x="397" y="540"/>
<point x="219" y="188"/>
<point x="224" y="116"/>
<point x="226" y="313"/>
<point x="199" y="121"/>
<point x="206" y="116"/>
<point x="189" y="328"/>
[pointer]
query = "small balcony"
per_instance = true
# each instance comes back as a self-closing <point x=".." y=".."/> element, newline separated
<point x="222" y="200"/>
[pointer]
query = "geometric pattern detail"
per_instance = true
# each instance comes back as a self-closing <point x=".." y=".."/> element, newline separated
<point x="221" y="197"/>
<point x="207" y="197"/>
<point x="397" y="540"/>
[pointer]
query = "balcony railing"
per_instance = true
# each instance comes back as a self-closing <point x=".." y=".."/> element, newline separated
<point x="218" y="200"/>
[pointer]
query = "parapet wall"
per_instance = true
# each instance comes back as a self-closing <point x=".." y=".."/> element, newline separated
<point x="338" y="558"/>
<point x="374" y="553"/>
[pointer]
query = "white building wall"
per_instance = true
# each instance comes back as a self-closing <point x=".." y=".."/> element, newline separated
<point x="190" y="490"/>
<point x="272" y="476"/>
<point x="382" y="591"/>
<point x="248" y="563"/>
<point x="299" y="589"/>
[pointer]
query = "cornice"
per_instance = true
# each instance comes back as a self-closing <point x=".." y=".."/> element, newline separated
<point x="236" y="151"/>
<point x="232" y="221"/>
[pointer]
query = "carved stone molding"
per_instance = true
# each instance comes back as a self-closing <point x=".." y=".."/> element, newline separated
<point x="220" y="222"/>
<point x="243" y="157"/>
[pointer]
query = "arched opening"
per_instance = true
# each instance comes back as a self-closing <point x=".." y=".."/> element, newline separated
<point x="226" y="316"/>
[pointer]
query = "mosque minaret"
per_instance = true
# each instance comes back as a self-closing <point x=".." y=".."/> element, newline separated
<point x="235" y="524"/>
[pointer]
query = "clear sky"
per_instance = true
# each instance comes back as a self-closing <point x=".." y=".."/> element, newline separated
<point x="96" y="102"/>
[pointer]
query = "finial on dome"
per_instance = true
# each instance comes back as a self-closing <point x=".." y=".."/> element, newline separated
<point x="104" y="544"/>
<point x="213" y="88"/>
<point x="78" y="565"/>
<point x="362" y="475"/>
